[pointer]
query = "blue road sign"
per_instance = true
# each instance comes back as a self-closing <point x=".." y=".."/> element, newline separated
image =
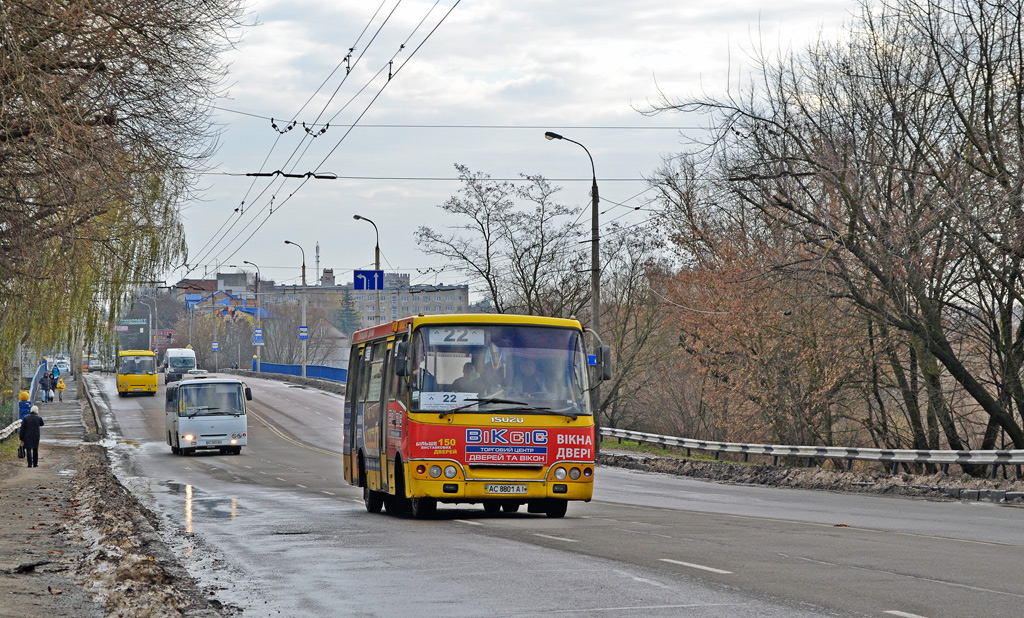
<point x="216" y="346"/>
<point x="368" y="280"/>
<point x="257" y="336"/>
<point x="303" y="333"/>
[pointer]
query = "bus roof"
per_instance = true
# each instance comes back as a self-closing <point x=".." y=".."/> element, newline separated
<point x="375" y="332"/>
<point x="136" y="353"/>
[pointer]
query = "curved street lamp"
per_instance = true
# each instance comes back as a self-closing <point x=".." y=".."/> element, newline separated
<point x="595" y="254"/>
<point x="376" y="260"/>
<point x="288" y="242"/>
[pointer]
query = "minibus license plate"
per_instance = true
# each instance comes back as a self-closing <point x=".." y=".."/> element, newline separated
<point x="504" y="489"/>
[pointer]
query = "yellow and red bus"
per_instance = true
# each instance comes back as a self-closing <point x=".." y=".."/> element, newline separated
<point x="474" y="408"/>
<point x="136" y="372"/>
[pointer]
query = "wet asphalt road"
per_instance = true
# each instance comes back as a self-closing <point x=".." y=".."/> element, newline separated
<point x="278" y="533"/>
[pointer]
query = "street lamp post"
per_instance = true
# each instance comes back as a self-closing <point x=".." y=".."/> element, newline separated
<point x="150" y="333"/>
<point x="376" y="261"/>
<point x="259" y="311"/>
<point x="595" y="257"/>
<point x="288" y="242"/>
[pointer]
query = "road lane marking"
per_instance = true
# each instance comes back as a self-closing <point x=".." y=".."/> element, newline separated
<point x="280" y="479"/>
<point x="302" y="486"/>
<point x="328" y="493"/>
<point x="696" y="566"/>
<point x="291" y="440"/>
<point x="895" y="574"/>
<point x="466" y="521"/>
<point x="556" y="538"/>
<point x="896" y="612"/>
<point x="660" y="536"/>
<point x="644" y="580"/>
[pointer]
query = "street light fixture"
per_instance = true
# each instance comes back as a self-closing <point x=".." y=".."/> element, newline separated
<point x="595" y="255"/>
<point x="376" y="261"/>
<point x="259" y="312"/>
<point x="288" y="242"/>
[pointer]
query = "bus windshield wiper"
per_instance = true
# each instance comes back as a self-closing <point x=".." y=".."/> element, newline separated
<point x="481" y="401"/>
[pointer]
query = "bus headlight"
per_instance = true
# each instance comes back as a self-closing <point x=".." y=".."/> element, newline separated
<point x="188" y="437"/>
<point x="450" y="471"/>
<point x="574" y="473"/>
<point x="435" y="471"/>
<point x="560" y="474"/>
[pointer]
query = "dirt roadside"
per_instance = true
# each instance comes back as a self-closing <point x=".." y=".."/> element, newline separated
<point x="74" y="542"/>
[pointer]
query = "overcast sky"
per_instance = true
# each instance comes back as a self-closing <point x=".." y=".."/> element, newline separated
<point x="480" y="91"/>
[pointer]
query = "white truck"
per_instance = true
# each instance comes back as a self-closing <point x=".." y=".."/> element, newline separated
<point x="179" y="362"/>
<point x="207" y="413"/>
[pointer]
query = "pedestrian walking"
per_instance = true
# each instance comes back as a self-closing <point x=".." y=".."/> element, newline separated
<point x="29" y="434"/>
<point x="45" y="386"/>
<point x="60" y="389"/>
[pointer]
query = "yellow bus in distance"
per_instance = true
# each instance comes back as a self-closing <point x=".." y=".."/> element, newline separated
<point x="136" y="372"/>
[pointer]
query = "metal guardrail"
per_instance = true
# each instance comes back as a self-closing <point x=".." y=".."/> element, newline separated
<point x="10" y="430"/>
<point x="893" y="456"/>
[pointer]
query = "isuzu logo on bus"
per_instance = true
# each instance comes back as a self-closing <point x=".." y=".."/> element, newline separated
<point x="507" y="419"/>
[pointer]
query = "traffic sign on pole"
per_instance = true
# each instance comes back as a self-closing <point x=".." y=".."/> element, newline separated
<point x="303" y="333"/>
<point x="368" y="280"/>
<point x="216" y="346"/>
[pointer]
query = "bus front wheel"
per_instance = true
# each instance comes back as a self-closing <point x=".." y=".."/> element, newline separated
<point x="423" y="508"/>
<point x="373" y="500"/>
<point x="556" y="508"/>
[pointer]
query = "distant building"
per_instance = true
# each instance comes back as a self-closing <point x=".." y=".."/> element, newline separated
<point x="399" y="298"/>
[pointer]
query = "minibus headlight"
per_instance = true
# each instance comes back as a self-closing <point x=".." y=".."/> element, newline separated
<point x="574" y="473"/>
<point x="435" y="471"/>
<point x="450" y="471"/>
<point x="188" y="437"/>
<point x="560" y="474"/>
<point x="587" y="472"/>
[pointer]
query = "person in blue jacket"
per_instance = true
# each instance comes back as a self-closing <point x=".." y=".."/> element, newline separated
<point x="29" y="434"/>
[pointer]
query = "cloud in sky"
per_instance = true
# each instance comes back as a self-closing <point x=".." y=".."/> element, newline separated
<point x="480" y="92"/>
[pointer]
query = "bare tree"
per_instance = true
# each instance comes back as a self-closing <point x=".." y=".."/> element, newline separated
<point x="104" y="120"/>
<point x="894" y="158"/>
<point x="524" y="253"/>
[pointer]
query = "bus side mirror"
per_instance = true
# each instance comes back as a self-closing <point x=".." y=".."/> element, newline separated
<point x="604" y="362"/>
<point x="402" y="359"/>
<point x="248" y="394"/>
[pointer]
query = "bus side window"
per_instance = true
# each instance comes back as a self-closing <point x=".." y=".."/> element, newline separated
<point x="399" y="385"/>
<point x="376" y="372"/>
<point x="355" y="374"/>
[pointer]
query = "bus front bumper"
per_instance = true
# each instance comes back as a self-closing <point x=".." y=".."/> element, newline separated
<point x="479" y="490"/>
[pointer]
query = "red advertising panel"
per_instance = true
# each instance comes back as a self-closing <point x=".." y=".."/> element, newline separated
<point x="502" y="445"/>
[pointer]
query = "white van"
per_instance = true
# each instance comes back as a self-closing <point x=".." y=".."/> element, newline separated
<point x="207" y="413"/>
<point x="179" y="362"/>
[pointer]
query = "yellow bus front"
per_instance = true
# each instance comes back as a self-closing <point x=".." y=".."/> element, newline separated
<point x="136" y="372"/>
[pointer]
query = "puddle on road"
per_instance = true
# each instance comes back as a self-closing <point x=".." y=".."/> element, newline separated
<point x="198" y="505"/>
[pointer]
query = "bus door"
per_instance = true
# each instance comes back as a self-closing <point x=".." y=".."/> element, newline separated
<point x="373" y="417"/>
<point x="396" y="407"/>
<point x="352" y="434"/>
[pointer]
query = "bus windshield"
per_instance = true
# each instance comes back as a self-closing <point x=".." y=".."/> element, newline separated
<point x="137" y="364"/>
<point x="210" y="399"/>
<point x="493" y="369"/>
<point x="181" y="362"/>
